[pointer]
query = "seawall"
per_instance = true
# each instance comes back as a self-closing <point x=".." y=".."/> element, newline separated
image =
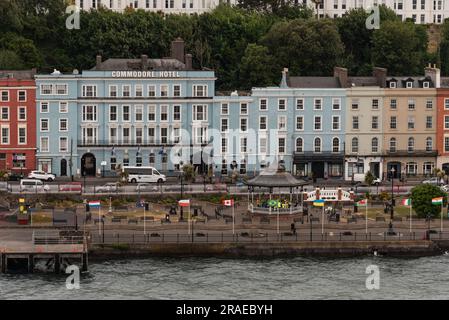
<point x="236" y="250"/>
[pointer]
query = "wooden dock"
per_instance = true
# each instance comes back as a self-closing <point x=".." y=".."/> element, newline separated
<point x="47" y="252"/>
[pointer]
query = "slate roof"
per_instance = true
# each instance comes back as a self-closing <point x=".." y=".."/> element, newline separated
<point x="18" y="74"/>
<point x="314" y="82"/>
<point x="166" y="64"/>
<point x="275" y="178"/>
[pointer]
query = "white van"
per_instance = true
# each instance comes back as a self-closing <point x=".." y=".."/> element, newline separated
<point x="144" y="174"/>
<point x="33" y="185"/>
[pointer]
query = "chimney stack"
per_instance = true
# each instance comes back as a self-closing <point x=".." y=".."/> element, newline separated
<point x="342" y="75"/>
<point x="177" y="49"/>
<point x="99" y="61"/>
<point x="381" y="76"/>
<point x="144" y="59"/>
<point x="434" y="74"/>
<point x="284" y="81"/>
<point x="188" y="59"/>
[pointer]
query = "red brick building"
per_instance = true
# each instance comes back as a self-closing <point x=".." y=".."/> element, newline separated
<point x="17" y="121"/>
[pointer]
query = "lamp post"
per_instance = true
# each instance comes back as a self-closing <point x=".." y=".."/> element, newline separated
<point x="84" y="176"/>
<point x="310" y="222"/>
<point x="392" y="171"/>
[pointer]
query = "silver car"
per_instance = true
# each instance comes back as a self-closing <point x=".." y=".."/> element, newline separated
<point x="434" y="181"/>
<point x="146" y="187"/>
<point x="108" y="187"/>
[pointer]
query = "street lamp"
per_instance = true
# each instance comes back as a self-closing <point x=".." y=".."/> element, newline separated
<point x="310" y="222"/>
<point x="392" y="171"/>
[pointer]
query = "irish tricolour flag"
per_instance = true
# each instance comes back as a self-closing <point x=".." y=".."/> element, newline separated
<point x="438" y="200"/>
<point x="406" y="202"/>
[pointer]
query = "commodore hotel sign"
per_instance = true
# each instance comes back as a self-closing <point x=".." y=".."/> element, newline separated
<point x="145" y="74"/>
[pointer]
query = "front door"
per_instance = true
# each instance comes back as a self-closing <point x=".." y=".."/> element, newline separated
<point x="88" y="165"/>
<point x="397" y="169"/>
<point x="318" y="169"/>
<point x="63" y="167"/>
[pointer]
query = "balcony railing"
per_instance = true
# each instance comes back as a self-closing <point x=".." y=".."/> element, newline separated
<point x="132" y="142"/>
<point x="414" y="153"/>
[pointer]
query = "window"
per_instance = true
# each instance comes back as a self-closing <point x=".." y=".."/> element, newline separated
<point x="139" y="135"/>
<point x="429" y="122"/>
<point x="243" y="108"/>
<point x="61" y="89"/>
<point x="336" y="102"/>
<point x="429" y="144"/>
<point x="164" y="90"/>
<point x="375" y="122"/>
<point x="224" y="145"/>
<point x="126" y="134"/>
<point x="176" y="135"/>
<point x="44" y="125"/>
<point x="393" y="122"/>
<point x="151" y="135"/>
<point x="243" y="144"/>
<point x="113" y="91"/>
<point x="335" y="145"/>
<point x="355" y="145"/>
<point x="446" y="144"/>
<point x="411" y="122"/>
<point x="112" y="113"/>
<point x="446" y="104"/>
<point x="411" y="104"/>
<point x="44" y="144"/>
<point x="263" y="105"/>
<point x="224" y="166"/>
<point x="243" y="124"/>
<point x="151" y="91"/>
<point x="199" y="90"/>
<point x="138" y="90"/>
<point x="263" y="123"/>
<point x="299" y="123"/>
<point x="393" y="103"/>
<point x="199" y="113"/>
<point x="335" y="122"/>
<point x="263" y="145"/>
<point x="5" y="113"/>
<point x="429" y="103"/>
<point x="317" y="123"/>
<point x="281" y="145"/>
<point x="176" y="90"/>
<point x="224" y="125"/>
<point x="409" y="84"/>
<point x="22" y="114"/>
<point x="126" y="113"/>
<point x="375" y="104"/>
<point x="224" y="109"/>
<point x="5" y="134"/>
<point x="177" y="113"/>
<point x="317" y="145"/>
<point x="299" y="145"/>
<point x="22" y="96"/>
<point x="138" y="111"/>
<point x="299" y="104"/>
<point x="63" y="144"/>
<point x="393" y="145"/>
<point x="89" y="113"/>
<point x="63" y="107"/>
<point x="44" y="107"/>
<point x="113" y="135"/>
<point x="355" y="104"/>
<point x="164" y="113"/>
<point x="152" y="113"/>
<point x="22" y="135"/>
<point x="317" y="104"/>
<point x="411" y="168"/>
<point x="446" y="122"/>
<point x="392" y="85"/>
<point x="355" y="122"/>
<point x="411" y="144"/>
<point x="89" y="91"/>
<point x="426" y="84"/>
<point x="63" y="125"/>
<point x="282" y="123"/>
<point x="46" y="89"/>
<point x="282" y="104"/>
<point x="374" y="145"/>
<point x="428" y="167"/>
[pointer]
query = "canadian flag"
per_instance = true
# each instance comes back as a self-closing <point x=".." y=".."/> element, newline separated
<point x="228" y="203"/>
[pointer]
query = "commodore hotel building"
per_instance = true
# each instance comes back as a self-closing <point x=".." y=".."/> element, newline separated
<point x="163" y="113"/>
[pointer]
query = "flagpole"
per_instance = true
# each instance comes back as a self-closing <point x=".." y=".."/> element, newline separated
<point x="188" y="221"/>
<point x="99" y="220"/>
<point x="144" y="220"/>
<point x="233" y="218"/>
<point x="441" y="215"/>
<point x="410" y="215"/>
<point x="322" y="220"/>
<point x="366" y="216"/>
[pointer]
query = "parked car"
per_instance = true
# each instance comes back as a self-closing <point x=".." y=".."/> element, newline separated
<point x="41" y="175"/>
<point x="33" y="185"/>
<point x="377" y="181"/>
<point x="14" y="176"/>
<point x="445" y="188"/>
<point x="434" y="181"/>
<point x="108" y="187"/>
<point x="71" y="187"/>
<point x="142" y="187"/>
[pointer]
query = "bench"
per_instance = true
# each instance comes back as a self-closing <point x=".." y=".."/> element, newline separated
<point x="135" y="221"/>
<point x="380" y="219"/>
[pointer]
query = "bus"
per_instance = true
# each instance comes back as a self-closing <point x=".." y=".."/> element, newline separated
<point x="144" y="174"/>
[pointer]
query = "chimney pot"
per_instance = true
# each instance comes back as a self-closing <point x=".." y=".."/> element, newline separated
<point x="99" y="61"/>
<point x="144" y="59"/>
<point x="342" y="75"/>
<point x="188" y="61"/>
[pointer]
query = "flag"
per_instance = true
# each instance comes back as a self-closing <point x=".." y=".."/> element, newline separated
<point x="113" y="151"/>
<point x="228" y="203"/>
<point x="138" y="151"/>
<point x="438" y="200"/>
<point x="362" y="203"/>
<point x="184" y="203"/>
<point x="318" y="203"/>
<point x="94" y="204"/>
<point x="406" y="202"/>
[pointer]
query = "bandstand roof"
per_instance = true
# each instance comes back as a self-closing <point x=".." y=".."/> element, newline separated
<point x="275" y="178"/>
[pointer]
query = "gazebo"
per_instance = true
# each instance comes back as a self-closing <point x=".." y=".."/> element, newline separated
<point x="270" y="179"/>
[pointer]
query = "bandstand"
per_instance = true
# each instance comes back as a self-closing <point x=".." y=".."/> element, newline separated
<point x="267" y="200"/>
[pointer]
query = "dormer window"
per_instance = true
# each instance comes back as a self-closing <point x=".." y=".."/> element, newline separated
<point x="409" y="84"/>
<point x="392" y="84"/>
<point x="426" y="84"/>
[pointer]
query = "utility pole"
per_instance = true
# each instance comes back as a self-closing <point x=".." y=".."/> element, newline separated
<point x="70" y="160"/>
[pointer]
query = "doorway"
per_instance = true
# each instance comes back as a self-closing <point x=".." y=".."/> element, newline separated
<point x="88" y="164"/>
<point x="318" y="169"/>
<point x="63" y="171"/>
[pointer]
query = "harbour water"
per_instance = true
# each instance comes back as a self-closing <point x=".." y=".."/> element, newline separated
<point x="216" y="278"/>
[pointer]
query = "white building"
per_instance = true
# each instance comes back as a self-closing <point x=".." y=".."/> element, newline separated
<point x="167" y="6"/>
<point x="422" y="11"/>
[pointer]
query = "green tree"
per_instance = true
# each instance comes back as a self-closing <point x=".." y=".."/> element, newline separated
<point x="256" y="68"/>
<point x="9" y="60"/>
<point x="369" y="178"/>
<point x="189" y="172"/>
<point x="422" y="195"/>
